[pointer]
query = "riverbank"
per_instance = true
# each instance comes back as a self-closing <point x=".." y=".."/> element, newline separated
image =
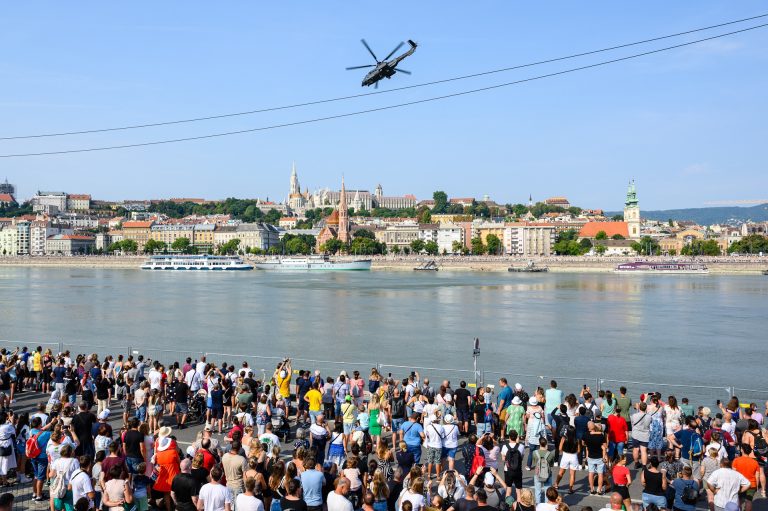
<point x="716" y="265"/>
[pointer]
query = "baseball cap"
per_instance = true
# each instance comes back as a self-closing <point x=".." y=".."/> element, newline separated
<point x="518" y="386"/>
<point x="104" y="415"/>
<point x="489" y="479"/>
<point x="348" y="398"/>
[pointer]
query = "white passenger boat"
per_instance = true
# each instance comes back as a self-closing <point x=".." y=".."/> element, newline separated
<point x="195" y="263"/>
<point x="668" y="267"/>
<point x="313" y="263"/>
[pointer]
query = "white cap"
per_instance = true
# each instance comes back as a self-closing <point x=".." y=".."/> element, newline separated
<point x="448" y="419"/>
<point x="516" y="400"/>
<point x="343" y="373"/>
<point x="518" y="386"/>
<point x="533" y="401"/>
<point x="489" y="479"/>
<point x="283" y="374"/>
<point x="104" y="415"/>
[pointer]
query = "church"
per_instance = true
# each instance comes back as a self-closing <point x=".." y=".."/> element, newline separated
<point x="337" y="223"/>
<point x="629" y="228"/>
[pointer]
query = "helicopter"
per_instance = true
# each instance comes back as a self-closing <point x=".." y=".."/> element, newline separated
<point x="384" y="68"/>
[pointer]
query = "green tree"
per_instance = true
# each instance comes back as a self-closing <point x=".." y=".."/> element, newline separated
<point x="568" y="235"/>
<point x="646" y="246"/>
<point x="364" y="233"/>
<point x="600" y="249"/>
<point x="423" y="215"/>
<point x="752" y="244"/>
<point x="417" y="246"/>
<point x="617" y="218"/>
<point x="568" y="247"/>
<point x="477" y="246"/>
<point x="230" y="247"/>
<point x="585" y="245"/>
<point x="362" y="212"/>
<point x="455" y="209"/>
<point x="152" y="246"/>
<point x="406" y="250"/>
<point x="332" y="246"/>
<point x="601" y="235"/>
<point x="181" y="245"/>
<point x="518" y="210"/>
<point x="297" y="245"/>
<point x="702" y="247"/>
<point x="672" y="252"/>
<point x="575" y="210"/>
<point x="366" y="246"/>
<point x="441" y="202"/>
<point x="431" y="247"/>
<point x="493" y="244"/>
<point x="617" y="237"/>
<point x="272" y="217"/>
<point x="395" y="250"/>
<point x="456" y="247"/>
<point x="129" y="246"/>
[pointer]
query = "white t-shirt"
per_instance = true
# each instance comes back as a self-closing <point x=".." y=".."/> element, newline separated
<point x="433" y="434"/>
<point x="520" y="447"/>
<point x="66" y="466"/>
<point x="728" y="482"/>
<point x="53" y="451"/>
<point x="417" y="500"/>
<point x="338" y="502"/>
<point x="81" y="485"/>
<point x="270" y="439"/>
<point x="155" y="378"/>
<point x="194" y="379"/>
<point x="451" y="438"/>
<point x="245" y="502"/>
<point x="546" y="506"/>
<point x="215" y="496"/>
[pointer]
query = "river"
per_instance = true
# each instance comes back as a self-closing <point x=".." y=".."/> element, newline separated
<point x="705" y="330"/>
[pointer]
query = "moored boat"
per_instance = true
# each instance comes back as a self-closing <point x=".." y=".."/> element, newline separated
<point x="430" y="265"/>
<point x="313" y="263"/>
<point x="664" y="267"/>
<point x="195" y="263"/>
<point x="529" y="268"/>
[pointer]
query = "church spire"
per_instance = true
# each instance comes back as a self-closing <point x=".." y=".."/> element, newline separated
<point x="343" y="214"/>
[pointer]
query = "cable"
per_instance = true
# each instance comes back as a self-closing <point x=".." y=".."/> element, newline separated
<point x="354" y="96"/>
<point x="379" y="109"/>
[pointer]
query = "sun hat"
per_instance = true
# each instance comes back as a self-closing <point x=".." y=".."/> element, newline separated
<point x="448" y="419"/>
<point x="343" y="373"/>
<point x="516" y="401"/>
<point x="164" y="432"/>
<point x="518" y="386"/>
<point x="533" y="401"/>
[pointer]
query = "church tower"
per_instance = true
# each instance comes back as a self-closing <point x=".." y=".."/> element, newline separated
<point x="296" y="201"/>
<point x="343" y="215"/>
<point x="632" y="212"/>
<point x="295" y="189"/>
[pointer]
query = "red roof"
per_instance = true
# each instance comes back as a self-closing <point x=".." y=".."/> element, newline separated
<point x="77" y="237"/>
<point x="6" y="197"/>
<point x="82" y="196"/>
<point x="137" y="225"/>
<point x="590" y="229"/>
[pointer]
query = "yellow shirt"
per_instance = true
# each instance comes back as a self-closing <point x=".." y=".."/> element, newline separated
<point x="37" y="364"/>
<point x="348" y="410"/>
<point x="284" y="385"/>
<point x="315" y="399"/>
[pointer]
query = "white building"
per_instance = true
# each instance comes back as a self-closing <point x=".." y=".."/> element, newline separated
<point x="49" y="202"/>
<point x="69" y="244"/>
<point x="428" y="232"/>
<point x="40" y="231"/>
<point x="528" y="240"/>
<point x="8" y="236"/>
<point x="447" y="235"/>
<point x="78" y="202"/>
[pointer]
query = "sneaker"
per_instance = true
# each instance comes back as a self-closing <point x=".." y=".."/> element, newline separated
<point x="593" y="492"/>
<point x="527" y="468"/>
<point x="556" y="464"/>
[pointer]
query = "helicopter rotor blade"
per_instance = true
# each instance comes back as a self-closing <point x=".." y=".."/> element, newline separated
<point x="402" y="71"/>
<point x="369" y="50"/>
<point x="393" y="51"/>
<point x="360" y="67"/>
<point x="376" y="85"/>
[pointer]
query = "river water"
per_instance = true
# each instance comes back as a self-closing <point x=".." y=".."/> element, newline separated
<point x="708" y="330"/>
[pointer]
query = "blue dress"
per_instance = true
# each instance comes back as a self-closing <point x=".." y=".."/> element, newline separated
<point x="656" y="432"/>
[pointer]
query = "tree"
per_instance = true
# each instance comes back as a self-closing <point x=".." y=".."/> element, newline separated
<point x="646" y="246"/>
<point x="601" y="235"/>
<point x="702" y="247"/>
<point x="417" y="246"/>
<point x="181" y="245"/>
<point x="152" y="246"/>
<point x="431" y="248"/>
<point x="617" y="237"/>
<point x="366" y="246"/>
<point x="406" y="250"/>
<point x="423" y="216"/>
<point x="752" y="244"/>
<point x="332" y="246"/>
<point x="129" y="246"/>
<point x="457" y="247"/>
<point x="364" y="233"/>
<point x="600" y="249"/>
<point x="575" y="210"/>
<point x="493" y="244"/>
<point x="477" y="246"/>
<point x="395" y="250"/>
<point x="617" y="218"/>
<point x="672" y="252"/>
<point x="272" y="217"/>
<point x="362" y="212"/>
<point x="518" y="210"/>
<point x="441" y="202"/>
<point x="585" y="244"/>
<point x="230" y="247"/>
<point x="297" y="245"/>
<point x="568" y="235"/>
<point x="568" y="247"/>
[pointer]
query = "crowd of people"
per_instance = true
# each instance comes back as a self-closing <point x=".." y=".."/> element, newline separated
<point x="103" y="437"/>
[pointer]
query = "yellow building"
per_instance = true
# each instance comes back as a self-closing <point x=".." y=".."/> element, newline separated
<point x="137" y="231"/>
<point x="678" y="241"/>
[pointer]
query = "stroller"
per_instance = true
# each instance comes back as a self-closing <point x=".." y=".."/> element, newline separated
<point x="197" y="407"/>
<point x="280" y="425"/>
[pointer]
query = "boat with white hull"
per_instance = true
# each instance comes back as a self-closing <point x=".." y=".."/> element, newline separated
<point x="313" y="263"/>
<point x="195" y="263"/>
<point x="663" y="267"/>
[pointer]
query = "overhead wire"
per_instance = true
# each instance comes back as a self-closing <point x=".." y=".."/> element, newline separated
<point x="374" y="93"/>
<point x="388" y="107"/>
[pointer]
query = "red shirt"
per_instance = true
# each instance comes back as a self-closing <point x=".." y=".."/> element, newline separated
<point x="617" y="429"/>
<point x="620" y="474"/>
<point x="747" y="467"/>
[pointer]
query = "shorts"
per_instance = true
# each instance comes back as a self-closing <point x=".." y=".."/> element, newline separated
<point x="449" y="452"/>
<point x="748" y="495"/>
<point x="64" y="504"/>
<point x="142" y="503"/>
<point x="514" y="478"/>
<point x="621" y="490"/>
<point x="433" y="455"/>
<point x="615" y="448"/>
<point x="596" y="466"/>
<point x="217" y="413"/>
<point x="462" y="415"/>
<point x="638" y="443"/>
<point x="39" y="466"/>
<point x="348" y="428"/>
<point x="569" y="460"/>
<point x="303" y="405"/>
<point x="182" y="408"/>
<point x="659" y="500"/>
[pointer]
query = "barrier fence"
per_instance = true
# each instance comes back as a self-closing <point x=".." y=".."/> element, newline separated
<point x="264" y="366"/>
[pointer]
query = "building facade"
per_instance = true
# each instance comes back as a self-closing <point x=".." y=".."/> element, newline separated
<point x="49" y="202"/>
<point x="70" y="244"/>
<point x="529" y="240"/>
<point x="447" y="235"/>
<point x="78" y="202"/>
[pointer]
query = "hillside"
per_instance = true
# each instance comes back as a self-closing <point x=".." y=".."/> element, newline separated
<point x="712" y="215"/>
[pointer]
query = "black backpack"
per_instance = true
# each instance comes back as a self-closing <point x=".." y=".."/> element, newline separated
<point x="513" y="459"/>
<point x="690" y="495"/>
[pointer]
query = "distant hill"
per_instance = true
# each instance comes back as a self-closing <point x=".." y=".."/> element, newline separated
<point x="732" y="215"/>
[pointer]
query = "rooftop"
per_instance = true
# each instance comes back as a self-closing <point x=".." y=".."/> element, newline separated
<point x="590" y="229"/>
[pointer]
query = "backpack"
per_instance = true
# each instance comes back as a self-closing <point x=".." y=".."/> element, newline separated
<point x="513" y="459"/>
<point x="696" y="446"/>
<point x="690" y="496"/>
<point x="355" y="390"/>
<point x="58" y="488"/>
<point x="543" y="470"/>
<point x="275" y="506"/>
<point x="760" y="446"/>
<point x="32" y="447"/>
<point x="488" y="416"/>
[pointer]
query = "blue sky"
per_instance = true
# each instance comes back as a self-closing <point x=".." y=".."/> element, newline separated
<point x="688" y="125"/>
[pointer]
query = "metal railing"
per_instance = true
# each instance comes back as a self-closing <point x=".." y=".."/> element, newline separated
<point x="264" y="366"/>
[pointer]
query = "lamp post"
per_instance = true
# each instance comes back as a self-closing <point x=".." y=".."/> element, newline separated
<point x="475" y="354"/>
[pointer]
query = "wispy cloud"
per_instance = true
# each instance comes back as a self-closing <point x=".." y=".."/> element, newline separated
<point x="696" y="169"/>
<point x="715" y="47"/>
